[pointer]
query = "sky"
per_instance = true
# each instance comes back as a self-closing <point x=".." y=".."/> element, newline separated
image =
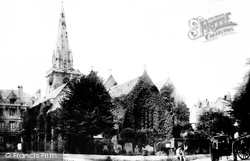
<point x="124" y="36"/>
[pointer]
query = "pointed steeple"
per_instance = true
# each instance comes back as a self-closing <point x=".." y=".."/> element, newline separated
<point x="62" y="58"/>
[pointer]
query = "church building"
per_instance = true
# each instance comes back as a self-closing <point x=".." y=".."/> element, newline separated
<point x="62" y="66"/>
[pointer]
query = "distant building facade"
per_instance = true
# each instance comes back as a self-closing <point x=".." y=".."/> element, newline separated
<point x="12" y="104"/>
<point x="221" y="104"/>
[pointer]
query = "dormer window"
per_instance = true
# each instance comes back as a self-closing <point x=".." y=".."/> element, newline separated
<point x="12" y="100"/>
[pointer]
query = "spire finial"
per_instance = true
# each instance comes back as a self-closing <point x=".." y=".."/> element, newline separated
<point x="110" y="71"/>
<point x="145" y="66"/>
<point x="92" y="67"/>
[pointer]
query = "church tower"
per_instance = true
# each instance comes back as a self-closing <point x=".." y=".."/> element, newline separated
<point x="62" y="60"/>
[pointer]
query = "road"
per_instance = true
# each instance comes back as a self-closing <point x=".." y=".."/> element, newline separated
<point x="75" y="157"/>
<point x="221" y="159"/>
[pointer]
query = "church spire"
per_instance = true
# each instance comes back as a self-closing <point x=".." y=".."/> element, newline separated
<point x="62" y="58"/>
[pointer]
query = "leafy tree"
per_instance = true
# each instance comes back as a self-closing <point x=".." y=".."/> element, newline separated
<point x="213" y="122"/>
<point x="29" y="118"/>
<point x="86" y="108"/>
<point x="181" y="119"/>
<point x="178" y="110"/>
<point x="241" y="103"/>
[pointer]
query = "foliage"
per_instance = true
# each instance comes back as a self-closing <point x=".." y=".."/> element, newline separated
<point x="145" y="109"/>
<point x="127" y="133"/>
<point x="214" y="122"/>
<point x="29" y="122"/>
<point x="167" y="93"/>
<point x="178" y="110"/>
<point x="241" y="103"/>
<point x="86" y="107"/>
<point x="181" y="118"/>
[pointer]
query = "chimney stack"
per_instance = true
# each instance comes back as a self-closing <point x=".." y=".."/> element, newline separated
<point x="20" y="92"/>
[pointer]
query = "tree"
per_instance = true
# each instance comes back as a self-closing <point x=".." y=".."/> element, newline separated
<point x="29" y="118"/>
<point x="178" y="109"/>
<point x="241" y="103"/>
<point x="86" y="108"/>
<point x="181" y="119"/>
<point x="214" y="122"/>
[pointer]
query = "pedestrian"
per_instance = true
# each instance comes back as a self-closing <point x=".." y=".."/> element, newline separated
<point x="180" y="153"/>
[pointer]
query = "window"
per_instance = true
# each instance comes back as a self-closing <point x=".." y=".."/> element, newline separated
<point x="22" y="112"/>
<point x="1" y="112"/>
<point x="2" y="125"/>
<point x="12" y="125"/>
<point x="12" y="111"/>
<point x="1" y="139"/>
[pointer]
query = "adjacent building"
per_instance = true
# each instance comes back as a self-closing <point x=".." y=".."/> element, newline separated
<point x="12" y="105"/>
<point x="221" y="104"/>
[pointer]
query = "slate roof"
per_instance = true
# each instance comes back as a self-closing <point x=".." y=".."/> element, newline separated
<point x="126" y="88"/>
<point x="123" y="89"/>
<point x="7" y="93"/>
<point x="51" y="95"/>
<point x="110" y="82"/>
<point x="165" y="83"/>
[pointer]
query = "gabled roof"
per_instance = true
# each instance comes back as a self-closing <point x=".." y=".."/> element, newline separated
<point x="126" y="88"/>
<point x="164" y="83"/>
<point x="51" y="95"/>
<point x="11" y="93"/>
<point x="160" y="85"/>
<point x="110" y="82"/>
<point x="123" y="89"/>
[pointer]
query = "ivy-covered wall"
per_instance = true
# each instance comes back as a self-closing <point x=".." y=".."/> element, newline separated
<point x="145" y="111"/>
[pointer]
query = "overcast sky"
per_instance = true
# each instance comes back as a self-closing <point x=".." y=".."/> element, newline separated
<point x="123" y="36"/>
